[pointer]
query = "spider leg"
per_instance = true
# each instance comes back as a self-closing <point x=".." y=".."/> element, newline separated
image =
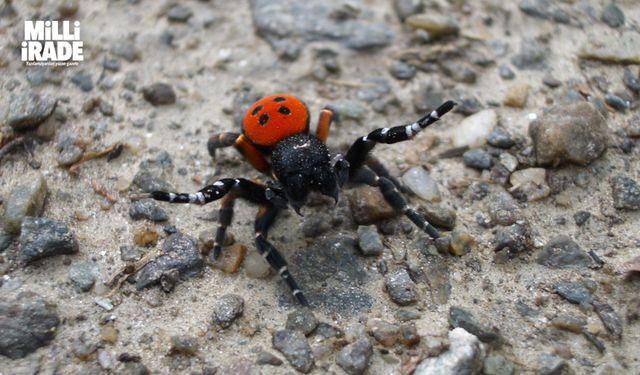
<point x="224" y="220"/>
<point x="381" y="171"/>
<point x="358" y="152"/>
<point x="242" y="144"/>
<point x="324" y="124"/>
<point x="265" y="217"/>
<point x="393" y="196"/>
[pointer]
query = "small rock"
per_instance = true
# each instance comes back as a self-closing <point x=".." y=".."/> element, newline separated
<point x="626" y="193"/>
<point x="400" y="287"/>
<point x="495" y="364"/>
<point x="464" y="356"/>
<point x="503" y="209"/>
<point x="458" y="72"/>
<point x="178" y="252"/>
<point x="508" y="161"/>
<point x="405" y="8"/>
<point x="435" y="24"/>
<point x="612" y="15"/>
<point x="581" y="217"/>
<point x="477" y="159"/>
<point x="159" y="94"/>
<point x="505" y="72"/>
<point x="186" y="345"/>
<point x="179" y="13"/>
<point x="266" y="358"/>
<point x="531" y="183"/>
<point x="228" y="309"/>
<point x="573" y="292"/>
<point x="409" y="334"/>
<point x="440" y="216"/>
<point x="552" y="365"/>
<point x="610" y="319"/>
<point x="83" y="275"/>
<point x="532" y="56"/>
<point x="515" y="237"/>
<point x="145" y="237"/>
<point x="368" y="206"/>
<point x="458" y="317"/>
<point x="472" y="131"/>
<point x="384" y="332"/>
<point x="147" y="209"/>
<point x="28" y="323"/>
<point x="576" y="133"/>
<point x="569" y="323"/>
<point x="82" y="80"/>
<point x="105" y="303"/>
<point x="500" y="138"/>
<point x="230" y="259"/>
<point x="256" y="266"/>
<point x="26" y="199"/>
<point x="316" y="225"/>
<point x="302" y="320"/>
<point x="350" y="109"/>
<point x="126" y="50"/>
<point x="551" y="81"/>
<point x="6" y="240"/>
<point x="517" y="95"/>
<point x="418" y="180"/>
<point x="42" y="237"/>
<point x="619" y="48"/>
<point x="109" y="334"/>
<point x="461" y="243"/>
<point x="369" y="240"/>
<point x="112" y="64"/>
<point x="354" y="358"/>
<point x="326" y="331"/>
<point x="616" y="102"/>
<point x="105" y="360"/>
<point x="402" y="71"/>
<point x="562" y="252"/>
<point x="294" y="346"/>
<point x="148" y="182"/>
<point x="29" y="110"/>
<point x="631" y="81"/>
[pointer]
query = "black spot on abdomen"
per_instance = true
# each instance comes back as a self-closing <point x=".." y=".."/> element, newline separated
<point x="263" y="119"/>
<point x="284" y="110"/>
<point x="256" y="110"/>
<point x="279" y="99"/>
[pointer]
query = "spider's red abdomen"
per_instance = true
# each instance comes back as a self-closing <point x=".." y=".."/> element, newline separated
<point x="274" y="118"/>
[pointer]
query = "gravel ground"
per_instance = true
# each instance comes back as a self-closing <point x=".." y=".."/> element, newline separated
<point x="534" y="177"/>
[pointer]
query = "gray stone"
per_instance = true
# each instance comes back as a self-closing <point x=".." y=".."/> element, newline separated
<point x="544" y="9"/>
<point x="477" y="159"/>
<point x="459" y="317"/>
<point x="573" y="292"/>
<point x="147" y="209"/>
<point x="619" y="48"/>
<point x="631" y="81"/>
<point x="549" y="364"/>
<point x="130" y="253"/>
<point x="326" y="330"/>
<point x="440" y="215"/>
<point x="83" y="275"/>
<point x="229" y="308"/>
<point x="418" y="180"/>
<point x="562" y="252"/>
<point x="6" y="239"/>
<point x="616" y="102"/>
<point x="42" y="237"/>
<point x="126" y="50"/>
<point x="26" y="199"/>
<point x="505" y="72"/>
<point x="402" y="71"/>
<point x="354" y="358"/>
<point x="178" y="252"/>
<point x="288" y="25"/>
<point x="500" y="138"/>
<point x="182" y="344"/>
<point x="503" y="209"/>
<point x="294" y="347"/>
<point x="266" y="358"/>
<point x="626" y="193"/>
<point x="159" y="94"/>
<point x="458" y="72"/>
<point x="400" y="287"/>
<point x="437" y="25"/>
<point x="179" y="13"/>
<point x="369" y="240"/>
<point x="27" y="323"/>
<point x="515" y="237"/>
<point x="610" y="319"/>
<point x="532" y="56"/>
<point x="495" y="364"/>
<point x="405" y="8"/>
<point x="147" y="182"/>
<point x="574" y="133"/>
<point x="612" y="15"/>
<point x="581" y="217"/>
<point x="82" y="80"/>
<point x="302" y="320"/>
<point x="28" y="110"/>
<point x="464" y="356"/>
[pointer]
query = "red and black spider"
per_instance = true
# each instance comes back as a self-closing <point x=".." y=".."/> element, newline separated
<point x="277" y="127"/>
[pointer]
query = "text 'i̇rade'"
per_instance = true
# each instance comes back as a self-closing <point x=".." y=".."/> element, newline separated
<point x="52" y="43"/>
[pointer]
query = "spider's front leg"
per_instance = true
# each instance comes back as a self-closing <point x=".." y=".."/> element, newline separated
<point x="378" y="176"/>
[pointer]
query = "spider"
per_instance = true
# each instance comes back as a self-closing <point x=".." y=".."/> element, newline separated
<point x="277" y="127"/>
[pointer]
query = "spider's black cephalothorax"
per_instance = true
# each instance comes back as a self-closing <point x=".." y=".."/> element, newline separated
<point x="300" y="163"/>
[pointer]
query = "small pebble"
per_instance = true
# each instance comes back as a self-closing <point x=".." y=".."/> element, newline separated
<point x="612" y="15"/>
<point x="573" y="292"/>
<point x="401" y="289"/>
<point x="83" y="275"/>
<point x="230" y="259"/>
<point x="461" y="243"/>
<point x="179" y="13"/>
<point x="266" y="358"/>
<point x="409" y="334"/>
<point x="464" y="355"/>
<point x="228" y="308"/>
<point x="459" y="317"/>
<point x="159" y="94"/>
<point x="626" y="193"/>
<point x="435" y="24"/>
<point x="515" y="237"/>
<point x="531" y="183"/>
<point x="82" y="80"/>
<point x="402" y="71"/>
<point x="186" y="345"/>
<point x="145" y="237"/>
<point x="294" y="346"/>
<point x="29" y="110"/>
<point x="42" y="237"/>
<point x="503" y="209"/>
<point x="616" y="102"/>
<point x="472" y="131"/>
<point x="302" y="320"/>
<point x="440" y="215"/>
<point x="562" y="252"/>
<point x="581" y="217"/>
<point x="500" y="138"/>
<point x="368" y="206"/>
<point x="418" y="180"/>
<point x="26" y="199"/>
<point x="256" y="266"/>
<point x="477" y="159"/>
<point x="179" y="258"/>
<point x="496" y="364"/>
<point x="147" y="209"/>
<point x="631" y="81"/>
<point x="369" y="240"/>
<point x="517" y="95"/>
<point x="384" y="332"/>
<point x="569" y="323"/>
<point x="354" y="358"/>
<point x="505" y="72"/>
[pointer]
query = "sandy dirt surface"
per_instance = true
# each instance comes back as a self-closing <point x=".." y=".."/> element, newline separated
<point x="208" y="61"/>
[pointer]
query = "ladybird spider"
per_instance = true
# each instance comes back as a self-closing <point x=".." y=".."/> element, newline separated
<point x="277" y="126"/>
